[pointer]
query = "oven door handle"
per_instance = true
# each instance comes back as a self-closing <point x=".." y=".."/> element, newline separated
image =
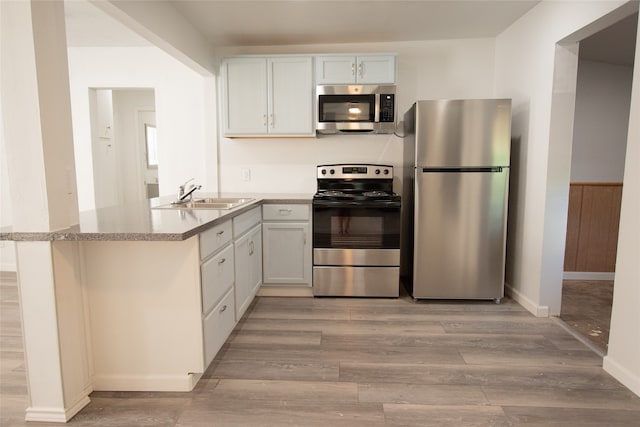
<point x="357" y="204"/>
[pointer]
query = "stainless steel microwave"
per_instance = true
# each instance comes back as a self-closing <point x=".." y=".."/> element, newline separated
<point x="355" y="108"/>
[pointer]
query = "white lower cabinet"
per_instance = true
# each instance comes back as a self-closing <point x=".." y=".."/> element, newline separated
<point x="216" y="277"/>
<point x="248" y="256"/>
<point x="247" y="234"/>
<point x="217" y="283"/>
<point x="286" y="233"/>
<point x="218" y="324"/>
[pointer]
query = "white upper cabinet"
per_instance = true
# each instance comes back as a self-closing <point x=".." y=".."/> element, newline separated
<point x="350" y="69"/>
<point x="268" y="96"/>
<point x="291" y="96"/>
<point x="245" y="96"/>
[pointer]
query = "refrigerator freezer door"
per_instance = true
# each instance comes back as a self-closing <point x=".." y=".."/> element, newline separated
<point x="460" y="232"/>
<point x="463" y="133"/>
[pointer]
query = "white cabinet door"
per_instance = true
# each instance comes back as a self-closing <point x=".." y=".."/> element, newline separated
<point x="255" y="243"/>
<point x="351" y="69"/>
<point x="243" y="275"/>
<point x="217" y="326"/>
<point x="268" y="96"/>
<point x="245" y="96"/>
<point x="339" y="69"/>
<point x="376" y="69"/>
<point x="290" y="95"/>
<point x="248" y="256"/>
<point x="216" y="277"/>
<point x="287" y="253"/>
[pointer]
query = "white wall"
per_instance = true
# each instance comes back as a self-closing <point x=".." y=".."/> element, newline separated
<point x="132" y="163"/>
<point x="426" y="70"/>
<point x="623" y="356"/>
<point x="185" y="112"/>
<point x="601" y="122"/>
<point x="7" y="249"/>
<point x="525" y="55"/>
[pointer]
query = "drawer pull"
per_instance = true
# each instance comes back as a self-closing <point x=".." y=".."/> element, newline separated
<point x="285" y="211"/>
<point x="224" y="308"/>
<point x="220" y="233"/>
<point x="222" y="261"/>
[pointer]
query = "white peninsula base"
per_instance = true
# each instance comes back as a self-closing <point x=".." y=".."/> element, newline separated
<point x="144" y="314"/>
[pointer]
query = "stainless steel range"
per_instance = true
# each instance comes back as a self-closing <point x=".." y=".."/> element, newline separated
<point x="356" y="232"/>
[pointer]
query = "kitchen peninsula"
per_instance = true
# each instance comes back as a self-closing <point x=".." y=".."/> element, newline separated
<point x="162" y="289"/>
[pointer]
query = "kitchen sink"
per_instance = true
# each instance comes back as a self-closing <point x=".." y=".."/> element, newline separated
<point x="206" y="203"/>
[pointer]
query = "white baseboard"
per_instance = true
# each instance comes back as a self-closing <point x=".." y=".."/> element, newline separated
<point x="530" y="306"/>
<point x="622" y="374"/>
<point x="587" y="275"/>
<point x="285" y="291"/>
<point x="145" y="382"/>
<point x="6" y="267"/>
<point x="55" y="415"/>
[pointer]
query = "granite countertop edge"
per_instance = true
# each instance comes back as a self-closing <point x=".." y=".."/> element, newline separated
<point x="75" y="233"/>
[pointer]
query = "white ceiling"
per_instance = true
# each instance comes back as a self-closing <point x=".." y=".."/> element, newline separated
<point x="86" y="25"/>
<point x="269" y="22"/>
<point x="614" y="45"/>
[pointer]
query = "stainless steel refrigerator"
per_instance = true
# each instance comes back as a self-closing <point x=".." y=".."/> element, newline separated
<point x="455" y="191"/>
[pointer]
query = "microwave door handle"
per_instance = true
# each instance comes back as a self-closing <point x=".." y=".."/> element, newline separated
<point x="376" y="110"/>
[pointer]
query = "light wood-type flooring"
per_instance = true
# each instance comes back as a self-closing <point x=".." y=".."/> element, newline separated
<point x="365" y="362"/>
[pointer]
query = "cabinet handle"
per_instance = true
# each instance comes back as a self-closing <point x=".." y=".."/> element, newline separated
<point x="251" y="247"/>
<point x="271" y="119"/>
<point x="304" y="238"/>
<point x="353" y="68"/>
<point x="264" y="119"/>
<point x="285" y="211"/>
<point x="361" y="69"/>
<point x="220" y="233"/>
<point x="224" y="308"/>
<point x="222" y="261"/>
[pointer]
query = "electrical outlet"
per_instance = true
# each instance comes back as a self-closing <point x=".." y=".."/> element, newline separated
<point x="246" y="174"/>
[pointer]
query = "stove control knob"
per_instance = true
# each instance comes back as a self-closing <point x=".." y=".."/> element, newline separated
<point x="324" y="171"/>
<point x="377" y="171"/>
<point x="332" y="171"/>
<point x="386" y="171"/>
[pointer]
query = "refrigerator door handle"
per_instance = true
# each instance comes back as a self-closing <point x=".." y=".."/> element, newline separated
<point x="463" y="170"/>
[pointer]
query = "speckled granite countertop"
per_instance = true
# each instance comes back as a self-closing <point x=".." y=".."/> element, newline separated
<point x="140" y="221"/>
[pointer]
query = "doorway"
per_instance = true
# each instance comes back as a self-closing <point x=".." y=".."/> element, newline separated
<point x="124" y="145"/>
<point x="603" y="95"/>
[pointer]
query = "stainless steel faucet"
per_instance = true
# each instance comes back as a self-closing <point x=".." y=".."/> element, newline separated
<point x="183" y="192"/>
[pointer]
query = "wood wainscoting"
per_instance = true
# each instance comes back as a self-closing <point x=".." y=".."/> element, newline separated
<point x="592" y="227"/>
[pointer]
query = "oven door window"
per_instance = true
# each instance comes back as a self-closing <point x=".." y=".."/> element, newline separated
<point x="356" y="228"/>
<point x="346" y="108"/>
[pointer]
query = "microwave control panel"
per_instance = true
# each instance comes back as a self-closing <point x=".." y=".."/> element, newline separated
<point x="387" y="101"/>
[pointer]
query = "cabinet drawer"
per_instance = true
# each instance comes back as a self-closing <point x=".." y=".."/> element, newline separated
<point x="243" y="222"/>
<point x="217" y="326"/>
<point x="285" y="212"/>
<point x="216" y="277"/>
<point x="214" y="238"/>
